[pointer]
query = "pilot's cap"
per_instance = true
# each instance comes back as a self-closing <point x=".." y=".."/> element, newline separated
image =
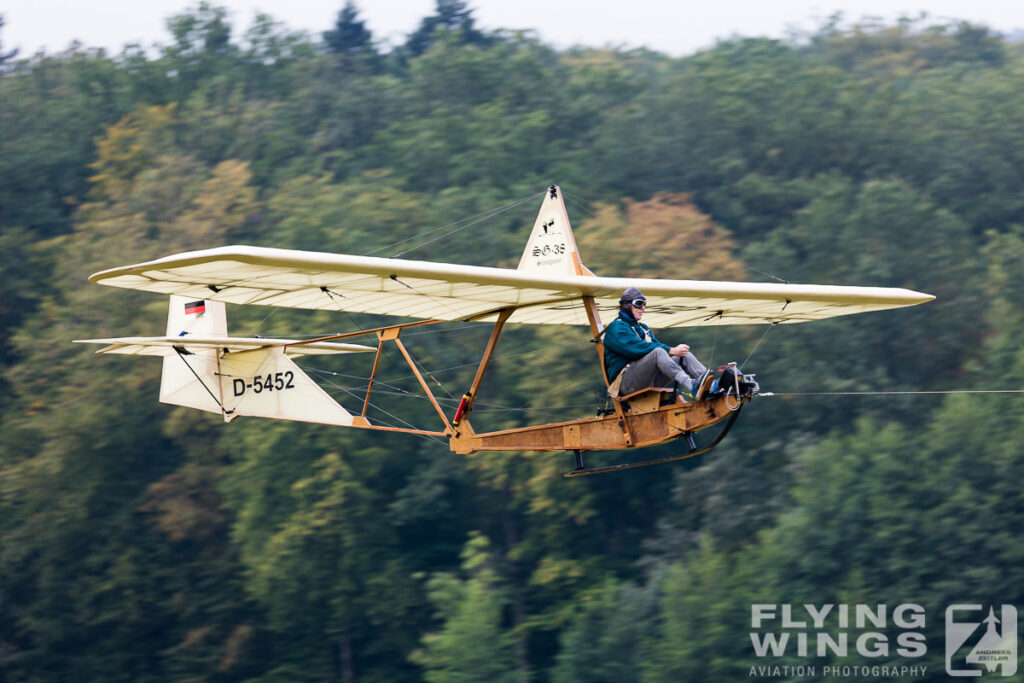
<point x="630" y="295"/>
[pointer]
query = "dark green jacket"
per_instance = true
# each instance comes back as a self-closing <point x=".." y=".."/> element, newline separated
<point x="624" y="343"/>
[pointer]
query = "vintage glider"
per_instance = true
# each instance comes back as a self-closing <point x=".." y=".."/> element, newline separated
<point x="206" y="369"/>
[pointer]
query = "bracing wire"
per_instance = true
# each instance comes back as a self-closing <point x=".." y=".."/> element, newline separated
<point x="714" y="344"/>
<point x="473" y="220"/>
<point x="393" y="417"/>
<point x="781" y="394"/>
<point x="769" y="329"/>
<point x="479" y="407"/>
<point x="438" y="383"/>
<point x="580" y="203"/>
<point x="258" y="325"/>
<point x="436" y="300"/>
<point x="397" y="391"/>
<point x="488" y="407"/>
<point x="494" y="358"/>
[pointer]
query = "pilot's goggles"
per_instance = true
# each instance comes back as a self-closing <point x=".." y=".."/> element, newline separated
<point x="639" y="303"/>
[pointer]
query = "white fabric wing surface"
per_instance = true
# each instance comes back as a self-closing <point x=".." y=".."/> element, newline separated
<point x="442" y="291"/>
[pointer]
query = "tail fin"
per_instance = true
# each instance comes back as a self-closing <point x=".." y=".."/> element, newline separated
<point x="261" y="382"/>
<point x="191" y="378"/>
<point x="200" y="318"/>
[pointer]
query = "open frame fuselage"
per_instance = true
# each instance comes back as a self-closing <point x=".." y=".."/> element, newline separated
<point x="206" y="369"/>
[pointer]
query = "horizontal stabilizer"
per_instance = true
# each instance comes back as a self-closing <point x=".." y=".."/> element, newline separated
<point x="168" y="346"/>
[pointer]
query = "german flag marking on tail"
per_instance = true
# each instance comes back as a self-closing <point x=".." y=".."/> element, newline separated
<point x="194" y="307"/>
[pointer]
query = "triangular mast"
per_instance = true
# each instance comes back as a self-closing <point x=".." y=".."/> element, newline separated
<point x="551" y="249"/>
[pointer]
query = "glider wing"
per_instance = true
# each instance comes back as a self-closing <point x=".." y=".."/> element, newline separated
<point x="442" y="291"/>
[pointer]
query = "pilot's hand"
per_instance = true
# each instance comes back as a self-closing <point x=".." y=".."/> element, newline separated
<point x="679" y="350"/>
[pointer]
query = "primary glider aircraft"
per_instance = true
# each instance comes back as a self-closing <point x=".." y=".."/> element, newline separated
<point x="204" y="368"/>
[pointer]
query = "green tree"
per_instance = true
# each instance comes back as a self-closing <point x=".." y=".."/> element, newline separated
<point x="88" y="569"/>
<point x="201" y="48"/>
<point x="473" y="643"/>
<point x="607" y="639"/>
<point x="22" y="287"/>
<point x="328" y="572"/>
<point x="450" y="16"/>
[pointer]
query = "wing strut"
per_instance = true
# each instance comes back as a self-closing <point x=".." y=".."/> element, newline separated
<point x="383" y="334"/>
<point x="470" y="396"/>
<point x="423" y="383"/>
<point x="372" y="330"/>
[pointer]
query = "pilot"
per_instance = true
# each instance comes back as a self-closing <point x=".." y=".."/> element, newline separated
<point x="632" y="351"/>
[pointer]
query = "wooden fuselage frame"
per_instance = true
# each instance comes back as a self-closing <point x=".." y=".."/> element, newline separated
<point x="637" y="420"/>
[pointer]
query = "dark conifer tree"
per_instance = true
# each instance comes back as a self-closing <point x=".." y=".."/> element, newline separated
<point x="10" y="55"/>
<point x="451" y="15"/>
<point x="349" y="35"/>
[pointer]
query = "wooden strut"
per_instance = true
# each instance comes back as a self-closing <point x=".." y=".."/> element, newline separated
<point x="485" y="360"/>
<point x="373" y="374"/>
<point x="646" y="423"/>
<point x="403" y="430"/>
<point x="423" y="383"/>
<point x="594" y="317"/>
<point x="372" y="330"/>
<point x="391" y="333"/>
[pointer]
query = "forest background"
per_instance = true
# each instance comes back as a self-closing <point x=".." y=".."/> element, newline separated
<point x="142" y="542"/>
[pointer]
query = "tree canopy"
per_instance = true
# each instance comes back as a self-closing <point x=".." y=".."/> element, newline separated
<point x="143" y="542"/>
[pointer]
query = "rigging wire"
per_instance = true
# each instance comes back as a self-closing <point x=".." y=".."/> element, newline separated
<point x="394" y="389"/>
<point x="405" y="334"/>
<point x="436" y="300"/>
<point x="714" y="344"/>
<point x="265" y="319"/>
<point x="478" y="407"/>
<point x="579" y="202"/>
<point x="334" y="296"/>
<point x="476" y="218"/>
<point x="769" y="329"/>
<point x="399" y="391"/>
<point x="780" y="394"/>
<point x="427" y="373"/>
<point x="470" y="326"/>
<point x="490" y="213"/>
<point x="494" y="358"/>
<point x="393" y="417"/>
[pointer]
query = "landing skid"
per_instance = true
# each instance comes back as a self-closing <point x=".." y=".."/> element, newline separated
<point x="582" y="471"/>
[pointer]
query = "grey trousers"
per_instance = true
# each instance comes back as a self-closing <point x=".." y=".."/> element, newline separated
<point x="659" y="369"/>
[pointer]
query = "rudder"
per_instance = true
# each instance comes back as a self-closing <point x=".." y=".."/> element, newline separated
<point x="189" y="379"/>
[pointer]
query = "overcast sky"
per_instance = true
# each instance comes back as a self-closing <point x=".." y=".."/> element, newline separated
<point x="676" y="27"/>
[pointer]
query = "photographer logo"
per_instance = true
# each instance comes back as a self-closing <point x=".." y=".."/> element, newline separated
<point x="977" y="645"/>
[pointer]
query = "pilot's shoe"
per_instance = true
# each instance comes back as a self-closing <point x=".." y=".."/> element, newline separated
<point x="703" y="385"/>
<point x="684" y="392"/>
